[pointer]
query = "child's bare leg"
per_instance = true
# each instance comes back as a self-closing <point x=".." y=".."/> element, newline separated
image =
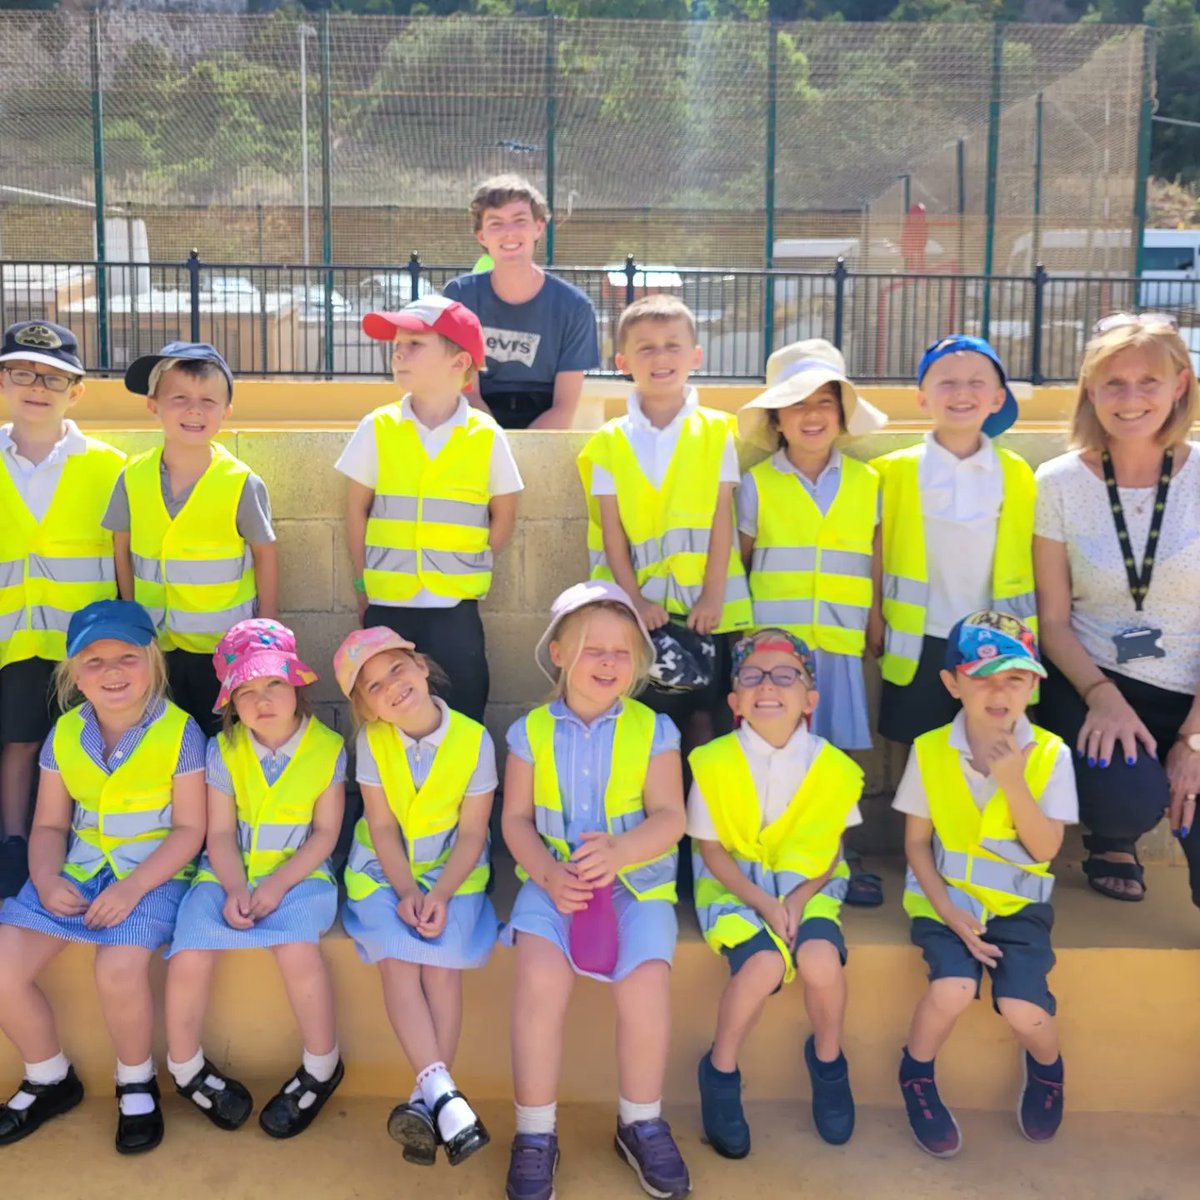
<point x="189" y="983"/>
<point x="123" y="982"/>
<point x="443" y="988"/>
<point x="17" y="760"/>
<point x="310" y="993"/>
<point x="25" y="1014"/>
<point x="408" y="1011"/>
<point x="941" y="1006"/>
<point x="643" y="1000"/>
<point x="820" y="967"/>
<point x="544" y="984"/>
<point x="1034" y="1027"/>
<point x="741" y="1005"/>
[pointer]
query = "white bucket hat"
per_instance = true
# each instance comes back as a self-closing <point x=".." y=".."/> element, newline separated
<point x="578" y="596"/>
<point x="793" y="374"/>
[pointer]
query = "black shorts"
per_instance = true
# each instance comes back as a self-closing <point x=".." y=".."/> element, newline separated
<point x="815" y="929"/>
<point x="909" y="710"/>
<point x="27" y="708"/>
<point x="518" y="410"/>
<point x="195" y="687"/>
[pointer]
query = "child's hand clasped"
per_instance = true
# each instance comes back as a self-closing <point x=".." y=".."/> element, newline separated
<point x="706" y="613"/>
<point x="236" y="910"/>
<point x="597" y="861"/>
<point x="266" y="898"/>
<point x="113" y="904"/>
<point x="969" y="930"/>
<point x="432" y="914"/>
<point x="777" y="915"/>
<point x="569" y="893"/>
<point x="409" y="908"/>
<point x="61" y="897"/>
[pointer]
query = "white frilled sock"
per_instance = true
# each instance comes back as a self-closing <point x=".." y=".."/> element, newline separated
<point x="321" y="1067"/>
<point x="456" y="1114"/>
<point x="139" y="1104"/>
<point x="628" y="1111"/>
<point x="183" y="1073"/>
<point x="49" y="1071"/>
<point x="537" y="1118"/>
<point x="418" y="1096"/>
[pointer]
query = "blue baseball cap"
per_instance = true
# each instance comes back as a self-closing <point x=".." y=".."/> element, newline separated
<point x="988" y="642"/>
<point x="42" y="342"/>
<point x="121" y="620"/>
<point x="137" y="376"/>
<point x="997" y="422"/>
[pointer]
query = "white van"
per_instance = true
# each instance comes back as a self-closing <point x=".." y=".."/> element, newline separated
<point x="1171" y="270"/>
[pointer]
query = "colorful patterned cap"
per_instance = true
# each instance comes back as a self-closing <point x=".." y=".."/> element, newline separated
<point x="258" y="649"/>
<point x="988" y="642"/>
<point x="775" y="639"/>
<point x="359" y="646"/>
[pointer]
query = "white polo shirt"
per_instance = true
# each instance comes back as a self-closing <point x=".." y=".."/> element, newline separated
<point x="36" y="482"/>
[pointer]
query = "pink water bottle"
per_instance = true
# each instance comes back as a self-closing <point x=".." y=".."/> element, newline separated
<point x="593" y="934"/>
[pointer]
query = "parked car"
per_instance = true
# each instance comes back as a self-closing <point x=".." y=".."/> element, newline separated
<point x="391" y="290"/>
<point x="310" y="301"/>
<point x="233" y="292"/>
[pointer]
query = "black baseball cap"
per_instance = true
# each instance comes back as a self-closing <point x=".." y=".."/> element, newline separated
<point x="42" y="342"/>
<point x="137" y="376"/>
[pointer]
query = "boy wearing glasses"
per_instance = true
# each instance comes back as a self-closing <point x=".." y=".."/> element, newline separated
<point x="55" y="557"/>
<point x="768" y="807"/>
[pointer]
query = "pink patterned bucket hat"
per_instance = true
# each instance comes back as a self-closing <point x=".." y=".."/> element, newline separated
<point x="256" y="649"/>
<point x="359" y="646"/>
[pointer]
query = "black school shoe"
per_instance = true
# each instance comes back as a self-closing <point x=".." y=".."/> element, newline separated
<point x="283" y="1117"/>
<point x="467" y="1141"/>
<point x="49" y="1100"/>
<point x="228" y="1107"/>
<point x="411" y="1125"/>
<point x="136" y="1135"/>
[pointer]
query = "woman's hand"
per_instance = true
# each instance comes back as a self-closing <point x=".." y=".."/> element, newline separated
<point x="1110" y="722"/>
<point x="1183" y="776"/>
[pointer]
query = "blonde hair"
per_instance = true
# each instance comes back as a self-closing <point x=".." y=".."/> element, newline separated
<point x="194" y="368"/>
<point x="658" y="306"/>
<point x="1166" y="349"/>
<point x="500" y="190"/>
<point x="67" y="694"/>
<point x="569" y="634"/>
<point x="439" y="682"/>
<point x="230" y="718"/>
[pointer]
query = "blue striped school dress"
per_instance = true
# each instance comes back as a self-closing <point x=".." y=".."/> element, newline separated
<point x="471" y="924"/>
<point x="646" y="929"/>
<point x="304" y="914"/>
<point x="152" y="920"/>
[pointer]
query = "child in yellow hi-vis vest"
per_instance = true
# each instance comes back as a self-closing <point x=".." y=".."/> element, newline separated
<point x="660" y="483"/>
<point x="985" y="800"/>
<point x="120" y="818"/>
<point x="57" y="556"/>
<point x="766" y="813"/>
<point x="417" y="874"/>
<point x="191" y="523"/>
<point x="276" y="779"/>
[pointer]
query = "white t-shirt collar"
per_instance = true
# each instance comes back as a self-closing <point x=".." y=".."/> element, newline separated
<point x="72" y="442"/>
<point x="457" y="417"/>
<point x="639" y="420"/>
<point x="798" y="746"/>
<point x="984" y="459"/>
<point x="430" y="739"/>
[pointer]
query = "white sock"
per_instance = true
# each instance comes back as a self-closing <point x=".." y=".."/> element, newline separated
<point x="321" y="1067"/>
<point x="139" y="1104"/>
<point x="628" y="1111"/>
<point x="417" y="1097"/>
<point x="537" y="1118"/>
<point x="456" y="1115"/>
<point x="183" y="1073"/>
<point x="48" y="1071"/>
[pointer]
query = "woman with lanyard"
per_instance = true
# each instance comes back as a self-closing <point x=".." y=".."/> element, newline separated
<point x="1116" y="556"/>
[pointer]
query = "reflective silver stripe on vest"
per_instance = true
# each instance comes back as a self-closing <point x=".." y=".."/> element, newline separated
<point x="1022" y="606"/>
<point x="430" y="848"/>
<point x="72" y="570"/>
<point x="843" y="616"/>
<point x="674" y="541"/>
<point x="708" y="915"/>
<point x="596" y="559"/>
<point x="399" y="562"/>
<point x="958" y="897"/>
<point x="902" y="645"/>
<point x="1010" y="849"/>
<point x="624" y="822"/>
<point x="11" y="573"/>
<point x="456" y="512"/>
<point x="245" y="836"/>
<point x="394" y="508"/>
<point x="135" y="824"/>
<point x="85" y="818"/>
<point x="10" y="622"/>
<point x="435" y="873"/>
<point x="782" y="612"/>
<point x="836" y="888"/>
<point x="209" y="622"/>
<point x="44" y="616"/>
<point x="148" y="570"/>
<point x="365" y="862"/>
<point x="659" y="589"/>
<point x="281" y="837"/>
<point x="905" y="590"/>
<point x="998" y="877"/>
<point x="133" y="854"/>
<point x="652" y="875"/>
<point x="783" y="558"/>
<point x="193" y="572"/>
<point x="846" y="562"/>
<point x="456" y="562"/>
<point x="157" y="615"/>
<point x="84" y="855"/>
<point x="550" y="822"/>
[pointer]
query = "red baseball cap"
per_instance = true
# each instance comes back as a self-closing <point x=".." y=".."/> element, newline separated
<point x="432" y="314"/>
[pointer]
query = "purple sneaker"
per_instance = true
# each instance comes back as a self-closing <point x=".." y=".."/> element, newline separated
<point x="649" y="1148"/>
<point x="1040" y="1111"/>
<point x="531" y="1167"/>
<point x="932" y="1123"/>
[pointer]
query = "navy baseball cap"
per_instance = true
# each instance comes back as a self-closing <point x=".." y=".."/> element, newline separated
<point x="997" y="422"/>
<point x="42" y="342"/>
<point x="137" y="377"/>
<point x="121" y="620"/>
<point x="988" y="642"/>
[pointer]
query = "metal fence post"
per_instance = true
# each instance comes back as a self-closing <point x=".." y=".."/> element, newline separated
<point x="1039" y="307"/>
<point x="1038" y="126"/>
<point x="551" y="121"/>
<point x="839" y="300"/>
<point x="98" y="184"/>
<point x="414" y="277"/>
<point x="630" y="273"/>
<point x="193" y="270"/>
<point x="993" y="161"/>
<point x="1143" y="169"/>
<point x="769" y="188"/>
<point x="327" y="183"/>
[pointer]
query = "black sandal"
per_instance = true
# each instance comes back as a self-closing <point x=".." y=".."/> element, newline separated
<point x="228" y="1107"/>
<point x="49" y="1100"/>
<point x="136" y="1135"/>
<point x="465" y="1143"/>
<point x="412" y="1126"/>
<point x="283" y="1117"/>
<point x="1097" y="869"/>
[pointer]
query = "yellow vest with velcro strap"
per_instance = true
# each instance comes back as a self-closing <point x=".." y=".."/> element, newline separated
<point x="796" y="847"/>
<point x="905" y="571"/>
<point x="49" y="569"/>
<point x="274" y="820"/>
<point x="194" y="574"/>
<point x="811" y="574"/>
<point x="988" y="872"/>
<point x="121" y="818"/>
<point x="429" y="523"/>
<point x="427" y="816"/>
<point x="669" y="527"/>
<point x="624" y="808"/>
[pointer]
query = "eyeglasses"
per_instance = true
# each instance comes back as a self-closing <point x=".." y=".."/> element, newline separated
<point x="52" y="383"/>
<point x="1148" y="320"/>
<point x="784" y="677"/>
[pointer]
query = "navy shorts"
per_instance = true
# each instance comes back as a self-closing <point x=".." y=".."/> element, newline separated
<point x="27" y="709"/>
<point x="815" y="929"/>
<point x="909" y="710"/>
<point x="194" y="687"/>
<point x="1019" y="975"/>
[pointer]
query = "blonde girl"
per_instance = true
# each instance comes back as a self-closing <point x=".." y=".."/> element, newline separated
<point x="593" y="795"/>
<point x="417" y="873"/>
<point x="276" y="793"/>
<point x="119" y="819"/>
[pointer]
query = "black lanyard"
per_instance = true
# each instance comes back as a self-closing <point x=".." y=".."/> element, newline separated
<point x="1139" y="585"/>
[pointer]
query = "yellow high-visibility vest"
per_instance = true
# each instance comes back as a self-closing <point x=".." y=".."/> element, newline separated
<point x="428" y="816"/>
<point x="668" y="527"/>
<point x="988" y="872"/>
<point x="624" y="808"/>
<point x="274" y="820"/>
<point x="779" y="857"/>
<point x="123" y="817"/>
<point x="193" y="574"/>
<point x="49" y="569"/>
<point x="429" y="523"/>
<point x="905" y="572"/>
<point x="811" y="574"/>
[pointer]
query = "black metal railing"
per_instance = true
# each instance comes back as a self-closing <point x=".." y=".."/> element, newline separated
<point x="279" y="319"/>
